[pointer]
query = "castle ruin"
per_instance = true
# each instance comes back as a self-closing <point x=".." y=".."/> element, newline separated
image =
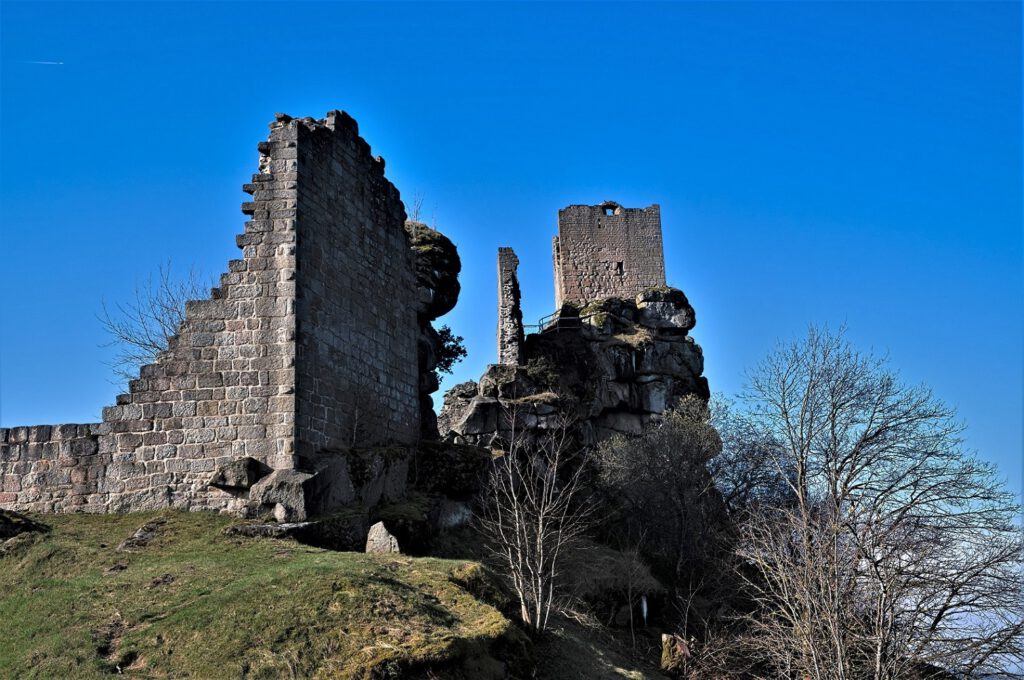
<point x="612" y="359"/>
<point x="607" y="251"/>
<point x="302" y="349"/>
<point x="302" y="385"/>
<point x="510" y="315"/>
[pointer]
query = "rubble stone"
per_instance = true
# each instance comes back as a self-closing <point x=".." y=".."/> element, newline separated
<point x="239" y="474"/>
<point x="380" y="541"/>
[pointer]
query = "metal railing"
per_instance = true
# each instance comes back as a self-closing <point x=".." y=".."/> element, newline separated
<point x="557" y="323"/>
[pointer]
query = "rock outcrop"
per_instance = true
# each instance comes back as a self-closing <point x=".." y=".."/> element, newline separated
<point x="16" y="531"/>
<point x="611" y="366"/>
<point x="437" y="280"/>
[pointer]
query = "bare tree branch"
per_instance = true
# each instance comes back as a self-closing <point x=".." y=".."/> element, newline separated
<point x="898" y="554"/>
<point x="140" y="329"/>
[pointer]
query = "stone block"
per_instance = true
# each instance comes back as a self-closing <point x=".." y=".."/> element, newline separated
<point x="379" y="540"/>
<point x="239" y="474"/>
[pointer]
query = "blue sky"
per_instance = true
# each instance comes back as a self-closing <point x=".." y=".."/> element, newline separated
<point x="854" y="163"/>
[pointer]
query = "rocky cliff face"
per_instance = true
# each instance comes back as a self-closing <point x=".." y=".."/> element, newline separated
<point x="612" y="366"/>
<point x="437" y="271"/>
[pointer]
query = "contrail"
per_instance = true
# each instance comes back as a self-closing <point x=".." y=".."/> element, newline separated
<point x="45" y="63"/>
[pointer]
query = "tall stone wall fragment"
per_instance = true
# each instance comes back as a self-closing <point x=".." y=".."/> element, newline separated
<point x="225" y="388"/>
<point x="356" y="364"/>
<point x="308" y="345"/>
<point x="607" y="251"/>
<point x="510" y="314"/>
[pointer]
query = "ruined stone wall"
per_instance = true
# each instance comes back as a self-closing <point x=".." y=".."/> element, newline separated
<point x="607" y="251"/>
<point x="51" y="468"/>
<point x="357" y="367"/>
<point x="313" y="327"/>
<point x="510" y="314"/>
<point x="225" y="387"/>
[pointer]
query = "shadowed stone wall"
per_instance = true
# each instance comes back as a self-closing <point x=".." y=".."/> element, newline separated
<point x="357" y="366"/>
<point x="314" y="327"/>
<point x="607" y="251"/>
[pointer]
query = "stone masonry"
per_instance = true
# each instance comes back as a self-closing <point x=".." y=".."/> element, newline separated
<point x="356" y="334"/>
<point x="614" y="357"/>
<point x="510" y="315"/>
<point x="308" y="332"/>
<point x="607" y="251"/>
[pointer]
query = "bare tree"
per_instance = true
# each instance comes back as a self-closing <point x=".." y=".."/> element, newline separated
<point x="535" y="510"/>
<point x="898" y="553"/>
<point x="139" y="329"/>
<point x="744" y="472"/>
<point x="416" y="207"/>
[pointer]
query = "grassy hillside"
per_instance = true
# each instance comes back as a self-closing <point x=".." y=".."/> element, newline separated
<point x="194" y="603"/>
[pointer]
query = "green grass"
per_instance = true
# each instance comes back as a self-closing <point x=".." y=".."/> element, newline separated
<point x="195" y="603"/>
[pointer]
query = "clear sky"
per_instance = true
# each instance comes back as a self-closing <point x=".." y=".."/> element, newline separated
<point x="854" y="163"/>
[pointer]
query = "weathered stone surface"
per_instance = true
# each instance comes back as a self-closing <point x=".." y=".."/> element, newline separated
<point x="479" y="417"/>
<point x="345" y="531"/>
<point x="451" y="514"/>
<point x="437" y="278"/>
<point x="450" y="469"/>
<point x="506" y="382"/>
<point x="356" y="362"/>
<point x="380" y="541"/>
<point x="458" y="393"/>
<point x="437" y="269"/>
<point x="606" y="250"/>
<point x="607" y="316"/>
<point x="142" y="536"/>
<point x="341" y="531"/>
<point x="510" y="314"/>
<point x="332" y="486"/>
<point x="613" y="373"/>
<point x="622" y="422"/>
<point x="665" y="308"/>
<point x="239" y="474"/>
<point x="310" y="343"/>
<point x="380" y="475"/>
<point x="283" y="493"/>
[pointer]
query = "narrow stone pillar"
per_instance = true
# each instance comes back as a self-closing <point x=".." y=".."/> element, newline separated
<point x="510" y="315"/>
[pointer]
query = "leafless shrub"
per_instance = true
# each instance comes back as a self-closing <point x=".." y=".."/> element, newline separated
<point x="416" y="207"/>
<point x="534" y="512"/>
<point x="139" y="329"/>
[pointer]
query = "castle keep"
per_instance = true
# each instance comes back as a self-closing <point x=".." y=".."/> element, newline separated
<point x="303" y="347"/>
<point x="614" y="356"/>
<point x="607" y="251"/>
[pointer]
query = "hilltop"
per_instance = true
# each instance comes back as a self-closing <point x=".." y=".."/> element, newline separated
<point x="183" y="599"/>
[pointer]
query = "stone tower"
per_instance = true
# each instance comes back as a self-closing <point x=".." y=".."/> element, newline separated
<point x="607" y="251"/>
<point x="510" y="315"/>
